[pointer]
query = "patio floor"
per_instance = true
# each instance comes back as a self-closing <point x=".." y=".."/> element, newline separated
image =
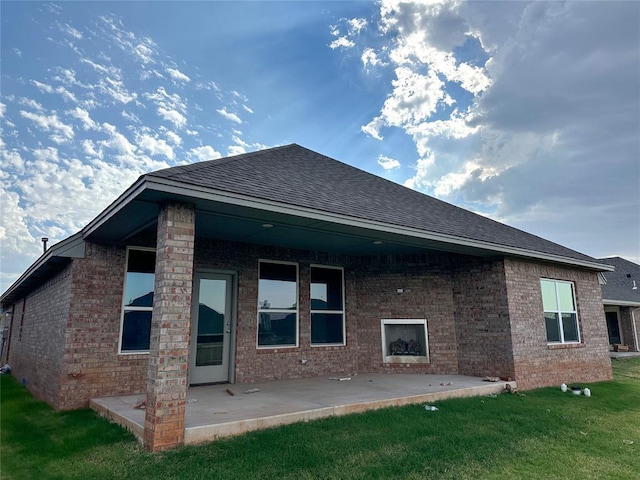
<point x="217" y="411"/>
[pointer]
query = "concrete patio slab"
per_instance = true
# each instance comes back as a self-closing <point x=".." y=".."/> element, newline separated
<point x="217" y="411"/>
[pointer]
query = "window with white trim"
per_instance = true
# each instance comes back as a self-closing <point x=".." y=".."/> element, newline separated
<point x="560" y="313"/>
<point x="135" y="331"/>
<point x="277" y="304"/>
<point x="327" y="306"/>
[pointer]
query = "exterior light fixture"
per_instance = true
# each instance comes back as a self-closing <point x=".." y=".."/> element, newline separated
<point x="267" y="225"/>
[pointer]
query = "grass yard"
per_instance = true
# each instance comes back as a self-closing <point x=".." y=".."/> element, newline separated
<point x="540" y="434"/>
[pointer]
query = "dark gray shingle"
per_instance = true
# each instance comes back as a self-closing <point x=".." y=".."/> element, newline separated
<point x="298" y="176"/>
<point x="619" y="284"/>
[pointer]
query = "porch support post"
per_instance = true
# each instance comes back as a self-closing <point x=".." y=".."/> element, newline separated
<point x="170" y="329"/>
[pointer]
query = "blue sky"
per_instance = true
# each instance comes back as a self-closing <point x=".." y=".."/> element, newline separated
<point x="525" y="112"/>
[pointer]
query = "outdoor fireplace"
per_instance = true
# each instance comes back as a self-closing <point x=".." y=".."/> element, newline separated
<point x="405" y="341"/>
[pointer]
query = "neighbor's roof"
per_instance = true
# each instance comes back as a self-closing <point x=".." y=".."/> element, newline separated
<point x="619" y="287"/>
<point x="298" y="176"/>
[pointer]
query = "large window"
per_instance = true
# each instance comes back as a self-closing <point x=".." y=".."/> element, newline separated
<point x="277" y="304"/>
<point x="327" y="306"/>
<point x="560" y="314"/>
<point x="138" y="301"/>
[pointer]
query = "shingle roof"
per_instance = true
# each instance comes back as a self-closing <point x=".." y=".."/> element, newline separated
<point x="295" y="175"/>
<point x="619" y="286"/>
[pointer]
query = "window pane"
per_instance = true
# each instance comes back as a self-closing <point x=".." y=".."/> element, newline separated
<point x="276" y="329"/>
<point x="549" y="302"/>
<point x="136" y="331"/>
<point x="326" y="289"/>
<point x="277" y="288"/>
<point x="326" y="328"/>
<point x="565" y="294"/>
<point x="570" y="327"/>
<point x="139" y="289"/>
<point x="553" y="327"/>
<point x="142" y="261"/>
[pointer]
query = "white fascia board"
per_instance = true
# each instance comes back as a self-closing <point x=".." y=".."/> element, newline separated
<point x="179" y="188"/>
<point x="620" y="303"/>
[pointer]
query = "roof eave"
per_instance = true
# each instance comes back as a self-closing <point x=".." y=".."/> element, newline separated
<point x="118" y="204"/>
<point x="71" y="247"/>
<point x="621" y="303"/>
<point x="180" y="188"/>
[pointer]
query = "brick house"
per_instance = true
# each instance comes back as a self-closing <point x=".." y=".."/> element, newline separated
<point x="621" y="299"/>
<point x="285" y="263"/>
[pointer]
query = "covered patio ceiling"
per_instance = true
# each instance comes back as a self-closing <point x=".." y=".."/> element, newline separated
<point x="280" y="225"/>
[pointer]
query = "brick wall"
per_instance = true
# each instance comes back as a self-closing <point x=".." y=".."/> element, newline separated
<point x="538" y="364"/>
<point x="170" y="328"/>
<point x="37" y="337"/>
<point x="426" y="282"/>
<point x="472" y="322"/>
<point x="370" y="285"/>
<point x="92" y="366"/>
<point x="483" y="330"/>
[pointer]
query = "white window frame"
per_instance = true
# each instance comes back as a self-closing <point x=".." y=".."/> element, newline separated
<point x="560" y="311"/>
<point x="279" y="310"/>
<point x="131" y="309"/>
<point x="344" y="320"/>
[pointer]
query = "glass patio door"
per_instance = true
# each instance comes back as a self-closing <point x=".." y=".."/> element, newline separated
<point x="211" y="329"/>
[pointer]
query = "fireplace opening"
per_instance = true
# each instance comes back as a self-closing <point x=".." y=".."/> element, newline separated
<point x="405" y="341"/>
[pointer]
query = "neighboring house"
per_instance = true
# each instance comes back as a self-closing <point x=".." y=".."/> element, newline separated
<point x="285" y="263"/>
<point x="621" y="299"/>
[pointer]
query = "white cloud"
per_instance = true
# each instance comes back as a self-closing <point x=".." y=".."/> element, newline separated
<point x="172" y="116"/>
<point x="89" y="148"/>
<point x="50" y="123"/>
<point x="236" y="150"/>
<point x="173" y="137"/>
<point x="229" y="115"/>
<point x="178" y="75"/>
<point x="373" y="128"/>
<point x="422" y="179"/>
<point x="155" y="146"/>
<point x="43" y="87"/>
<point x="83" y="115"/>
<point x="31" y="103"/>
<point x="169" y="106"/>
<point x="341" y="42"/>
<point x="144" y="53"/>
<point x="370" y="57"/>
<point x="117" y="141"/>
<point x="132" y="117"/>
<point x="356" y="25"/>
<point x="11" y="160"/>
<point x="388" y="163"/>
<point x="204" y="153"/>
<point x="116" y="90"/>
<point x="68" y="29"/>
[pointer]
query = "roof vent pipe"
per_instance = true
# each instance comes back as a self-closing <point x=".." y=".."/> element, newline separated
<point x="44" y="244"/>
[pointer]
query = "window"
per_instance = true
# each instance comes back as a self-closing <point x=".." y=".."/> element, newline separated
<point x="137" y="301"/>
<point x="327" y="306"/>
<point x="277" y="304"/>
<point x="560" y="315"/>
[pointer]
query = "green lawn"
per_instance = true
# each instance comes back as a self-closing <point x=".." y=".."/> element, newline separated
<point x="541" y="434"/>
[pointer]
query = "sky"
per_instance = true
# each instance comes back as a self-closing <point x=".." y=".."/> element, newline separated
<point x="526" y="112"/>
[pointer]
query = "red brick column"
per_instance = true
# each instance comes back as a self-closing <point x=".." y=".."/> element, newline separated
<point x="170" y="329"/>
